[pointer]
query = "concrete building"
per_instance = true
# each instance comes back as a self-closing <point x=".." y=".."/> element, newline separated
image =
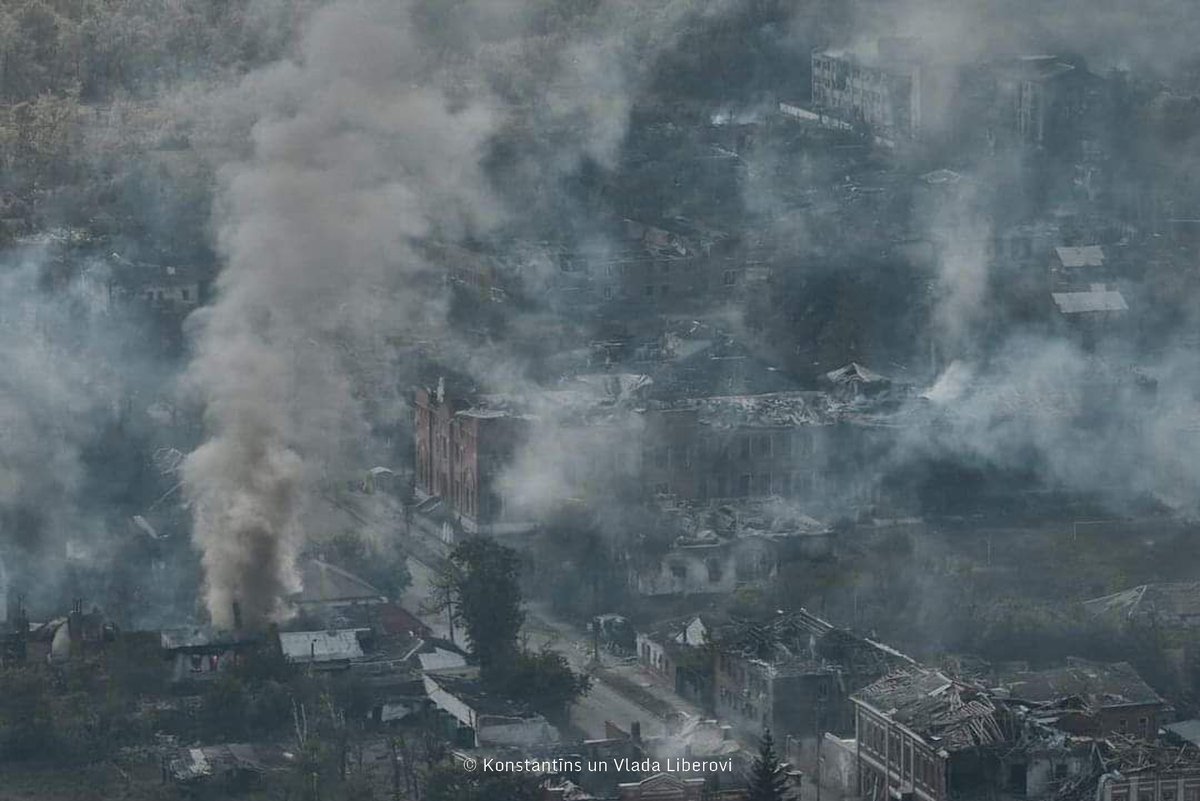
<point x="1046" y="101"/>
<point x="889" y="86"/>
<point x="738" y="446"/>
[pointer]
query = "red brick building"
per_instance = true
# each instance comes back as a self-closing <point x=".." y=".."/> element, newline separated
<point x="461" y="448"/>
<point x="1109" y="698"/>
<point x="922" y="736"/>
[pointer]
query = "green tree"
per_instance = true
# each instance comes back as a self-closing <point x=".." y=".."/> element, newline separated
<point x="767" y="779"/>
<point x="545" y="682"/>
<point x="485" y="598"/>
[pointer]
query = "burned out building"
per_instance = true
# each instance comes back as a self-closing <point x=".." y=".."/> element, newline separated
<point x="795" y="674"/>
<point x="465" y="445"/>
<point x="1130" y="770"/>
<point x="696" y="548"/>
<point x="200" y="654"/>
<point x="1046" y="101"/>
<point x="738" y="447"/>
<point x="889" y="86"/>
<point x="806" y="446"/>
<point x="678" y="654"/>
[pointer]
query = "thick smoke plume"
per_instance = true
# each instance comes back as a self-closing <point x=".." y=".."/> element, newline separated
<point x="354" y="156"/>
<point x="370" y="139"/>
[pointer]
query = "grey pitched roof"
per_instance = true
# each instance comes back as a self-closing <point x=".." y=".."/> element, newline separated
<point x="1101" y="685"/>
<point x="322" y="582"/>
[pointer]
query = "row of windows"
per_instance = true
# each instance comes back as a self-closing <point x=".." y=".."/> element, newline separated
<point x="749" y="485"/>
<point x="714" y="569"/>
<point x="1165" y="792"/>
<point x="750" y="446"/>
<point x="734" y="702"/>
<point x="900" y="752"/>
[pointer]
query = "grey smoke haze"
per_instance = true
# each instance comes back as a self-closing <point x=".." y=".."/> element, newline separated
<point x="57" y="392"/>
<point x="380" y="131"/>
<point x="1157" y="36"/>
<point x="364" y="142"/>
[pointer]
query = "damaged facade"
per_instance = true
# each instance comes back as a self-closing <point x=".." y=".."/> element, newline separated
<point x="794" y="674"/>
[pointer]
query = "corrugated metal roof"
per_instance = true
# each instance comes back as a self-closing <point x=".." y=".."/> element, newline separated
<point x="1084" y="256"/>
<point x="320" y="646"/>
<point x="441" y="660"/>
<point x="1187" y="729"/>
<point x="1109" y="300"/>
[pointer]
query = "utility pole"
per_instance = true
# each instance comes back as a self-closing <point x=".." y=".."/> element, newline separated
<point x="817" y="726"/>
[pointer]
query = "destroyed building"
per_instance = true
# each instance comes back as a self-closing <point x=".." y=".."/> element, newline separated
<point x="1132" y="770"/>
<point x="889" y="86"/>
<point x="678" y="653"/>
<point x="465" y="443"/>
<point x="1092" y="698"/>
<point x="739" y="446"/>
<point x="921" y="734"/>
<point x="795" y="675"/>
<point x="219" y="771"/>
<point x="695" y="549"/>
<point x="202" y="653"/>
<point x="1170" y="605"/>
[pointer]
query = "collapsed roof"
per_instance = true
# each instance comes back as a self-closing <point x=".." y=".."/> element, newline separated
<point x="946" y="713"/>
<point x="800" y="642"/>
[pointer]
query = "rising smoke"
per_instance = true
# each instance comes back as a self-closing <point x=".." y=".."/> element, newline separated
<point x="372" y="137"/>
<point x="389" y="126"/>
<point x="57" y="395"/>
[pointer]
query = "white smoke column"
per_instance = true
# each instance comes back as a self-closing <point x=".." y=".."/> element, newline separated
<point x="960" y="234"/>
<point x="353" y="156"/>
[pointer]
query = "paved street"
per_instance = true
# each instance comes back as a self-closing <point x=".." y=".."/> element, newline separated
<point x="604" y="702"/>
<point x="384" y="517"/>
